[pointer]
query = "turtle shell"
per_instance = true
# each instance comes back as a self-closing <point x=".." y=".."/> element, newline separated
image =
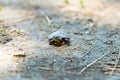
<point x="59" y="38"/>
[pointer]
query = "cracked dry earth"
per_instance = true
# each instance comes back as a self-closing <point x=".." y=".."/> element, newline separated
<point x="25" y="53"/>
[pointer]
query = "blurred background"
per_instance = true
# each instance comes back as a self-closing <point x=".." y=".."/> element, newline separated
<point x="93" y="26"/>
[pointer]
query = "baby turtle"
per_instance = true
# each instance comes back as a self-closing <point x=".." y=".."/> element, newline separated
<point x="59" y="38"/>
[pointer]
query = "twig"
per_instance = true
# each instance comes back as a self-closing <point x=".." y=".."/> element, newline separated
<point x="87" y="52"/>
<point x="115" y="74"/>
<point x="48" y="20"/>
<point x="76" y="67"/>
<point x="71" y="72"/>
<point x="45" y="68"/>
<point x="109" y="68"/>
<point x="93" y="62"/>
<point x="113" y="69"/>
<point x="51" y="69"/>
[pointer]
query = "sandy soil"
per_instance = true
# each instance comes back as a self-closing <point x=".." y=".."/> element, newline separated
<point x="27" y="55"/>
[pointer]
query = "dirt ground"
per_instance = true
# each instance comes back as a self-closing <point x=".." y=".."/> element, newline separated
<point x="95" y="40"/>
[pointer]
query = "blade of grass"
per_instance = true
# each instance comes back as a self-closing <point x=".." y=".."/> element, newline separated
<point x="67" y="1"/>
<point x="1" y="9"/>
<point x="82" y="3"/>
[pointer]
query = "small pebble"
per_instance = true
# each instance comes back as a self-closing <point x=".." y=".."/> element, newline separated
<point x="78" y="33"/>
<point x="109" y="42"/>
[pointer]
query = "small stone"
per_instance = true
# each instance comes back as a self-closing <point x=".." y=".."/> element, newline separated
<point x="114" y="52"/>
<point x="70" y="60"/>
<point x="78" y="33"/>
<point x="54" y="60"/>
<point x="109" y="42"/>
